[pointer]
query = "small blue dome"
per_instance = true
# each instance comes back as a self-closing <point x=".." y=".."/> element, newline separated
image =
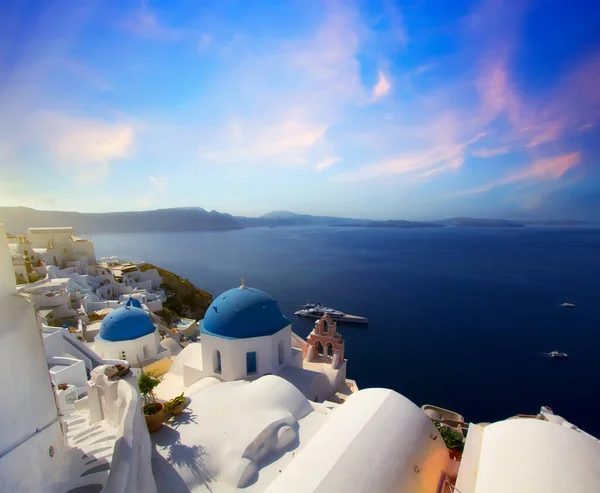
<point x="133" y="302"/>
<point x="241" y="313"/>
<point x="126" y="323"/>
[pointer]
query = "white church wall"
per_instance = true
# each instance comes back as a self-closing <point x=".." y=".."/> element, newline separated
<point x="129" y="350"/>
<point x="233" y="354"/>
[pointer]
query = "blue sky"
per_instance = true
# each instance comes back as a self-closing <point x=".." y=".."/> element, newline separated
<point x="381" y="109"/>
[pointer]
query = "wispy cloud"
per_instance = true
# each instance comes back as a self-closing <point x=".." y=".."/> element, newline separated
<point x="159" y="183"/>
<point x="89" y="145"/>
<point x="488" y="153"/>
<point x="285" y="141"/>
<point x="422" y="163"/>
<point x="547" y="169"/>
<point x="382" y="88"/>
<point x="292" y="94"/>
<point x="145" y="23"/>
<point x="327" y="163"/>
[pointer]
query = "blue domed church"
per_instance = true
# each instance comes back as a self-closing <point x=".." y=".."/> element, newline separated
<point x="245" y="335"/>
<point x="128" y="333"/>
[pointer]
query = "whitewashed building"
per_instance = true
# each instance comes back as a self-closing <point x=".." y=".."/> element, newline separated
<point x="60" y="247"/>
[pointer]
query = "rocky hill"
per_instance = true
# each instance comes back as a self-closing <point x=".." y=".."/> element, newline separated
<point x="184" y="299"/>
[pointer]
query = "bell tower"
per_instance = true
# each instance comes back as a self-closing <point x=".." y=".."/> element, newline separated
<point x="325" y="343"/>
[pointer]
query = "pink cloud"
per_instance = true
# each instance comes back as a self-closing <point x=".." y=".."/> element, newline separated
<point x="442" y="154"/>
<point x="489" y="153"/>
<point x="382" y="88"/>
<point x="493" y="86"/>
<point x="547" y="169"/>
<point x="327" y="163"/>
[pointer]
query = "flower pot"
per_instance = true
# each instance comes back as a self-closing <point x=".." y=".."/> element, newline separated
<point x="175" y="410"/>
<point x="155" y="421"/>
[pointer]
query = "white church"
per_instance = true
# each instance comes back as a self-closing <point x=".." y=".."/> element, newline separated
<point x="265" y="412"/>
<point x="244" y="336"/>
<point x="128" y="333"/>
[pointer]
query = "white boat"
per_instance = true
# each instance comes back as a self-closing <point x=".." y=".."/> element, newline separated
<point x="317" y="310"/>
<point x="558" y="354"/>
<point x="567" y="304"/>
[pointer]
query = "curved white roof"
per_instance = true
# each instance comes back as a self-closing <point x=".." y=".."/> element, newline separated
<point x="314" y="385"/>
<point x="276" y="393"/>
<point x="171" y="345"/>
<point x="376" y="441"/>
<point x="242" y="426"/>
<point x="535" y="456"/>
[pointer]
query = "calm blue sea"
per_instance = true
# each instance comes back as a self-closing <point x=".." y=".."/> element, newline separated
<point x="460" y="318"/>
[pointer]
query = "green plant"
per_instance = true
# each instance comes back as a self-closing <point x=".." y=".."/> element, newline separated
<point x="93" y="317"/>
<point x="452" y="439"/>
<point x="173" y="403"/>
<point x="33" y="276"/>
<point x="147" y="383"/>
<point x="167" y="316"/>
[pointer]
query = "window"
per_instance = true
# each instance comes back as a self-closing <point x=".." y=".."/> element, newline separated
<point x="123" y="356"/>
<point x="145" y="351"/>
<point x="217" y="361"/>
<point x="281" y="353"/>
<point x="251" y="362"/>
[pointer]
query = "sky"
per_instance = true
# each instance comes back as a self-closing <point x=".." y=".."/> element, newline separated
<point x="376" y="109"/>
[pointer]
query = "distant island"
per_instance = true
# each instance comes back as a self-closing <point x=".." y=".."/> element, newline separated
<point x="18" y="219"/>
<point x="394" y="224"/>
<point x="472" y="222"/>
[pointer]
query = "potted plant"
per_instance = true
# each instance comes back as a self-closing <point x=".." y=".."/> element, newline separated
<point x="175" y="405"/>
<point x="453" y="439"/>
<point x="153" y="411"/>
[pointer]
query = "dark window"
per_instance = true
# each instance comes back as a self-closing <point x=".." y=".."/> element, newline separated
<point x="217" y="362"/>
<point x="281" y="353"/>
<point x="251" y="362"/>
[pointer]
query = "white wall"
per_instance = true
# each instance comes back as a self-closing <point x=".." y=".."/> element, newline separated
<point x="54" y="344"/>
<point x="233" y="354"/>
<point x="131" y="467"/>
<point x="153" y="276"/>
<point x="38" y="237"/>
<point x="55" y="299"/>
<point x="32" y="426"/>
<point x="73" y="374"/>
<point x="154" y="306"/>
<point x="134" y="349"/>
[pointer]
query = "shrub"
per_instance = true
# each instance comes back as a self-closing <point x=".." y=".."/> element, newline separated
<point x="147" y="383"/>
<point x="452" y="439"/>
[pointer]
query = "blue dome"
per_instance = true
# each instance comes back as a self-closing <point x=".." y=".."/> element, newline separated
<point x="241" y="313"/>
<point x="133" y="302"/>
<point x="126" y="323"/>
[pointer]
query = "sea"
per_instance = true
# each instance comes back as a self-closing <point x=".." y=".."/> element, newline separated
<point x="462" y="318"/>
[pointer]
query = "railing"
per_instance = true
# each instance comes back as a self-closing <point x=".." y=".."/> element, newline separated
<point x="89" y="356"/>
<point x="446" y="484"/>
